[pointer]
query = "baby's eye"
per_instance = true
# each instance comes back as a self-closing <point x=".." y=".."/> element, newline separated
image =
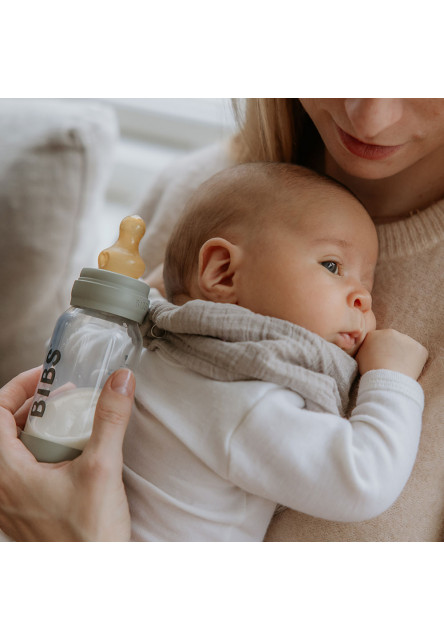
<point x="331" y="266"/>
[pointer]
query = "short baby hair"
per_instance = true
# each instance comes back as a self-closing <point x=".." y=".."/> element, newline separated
<point x="238" y="200"/>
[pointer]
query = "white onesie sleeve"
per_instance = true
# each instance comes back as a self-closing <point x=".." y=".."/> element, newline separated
<point x="327" y="466"/>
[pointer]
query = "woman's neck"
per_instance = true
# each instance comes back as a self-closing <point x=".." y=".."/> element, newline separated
<point x="398" y="196"/>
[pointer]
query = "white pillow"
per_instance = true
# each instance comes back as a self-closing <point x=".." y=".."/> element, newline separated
<point x="55" y="162"/>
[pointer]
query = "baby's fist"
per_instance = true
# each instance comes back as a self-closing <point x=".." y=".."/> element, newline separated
<point x="389" y="349"/>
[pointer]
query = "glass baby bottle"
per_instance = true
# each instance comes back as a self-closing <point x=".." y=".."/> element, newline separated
<point x="98" y="334"/>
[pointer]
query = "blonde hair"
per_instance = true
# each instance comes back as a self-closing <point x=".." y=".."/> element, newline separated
<point x="274" y="130"/>
<point x="236" y="201"/>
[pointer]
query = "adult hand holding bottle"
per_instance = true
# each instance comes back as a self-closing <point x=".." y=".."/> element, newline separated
<point x="79" y="500"/>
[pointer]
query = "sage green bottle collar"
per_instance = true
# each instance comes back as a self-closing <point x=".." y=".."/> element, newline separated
<point x="111" y="292"/>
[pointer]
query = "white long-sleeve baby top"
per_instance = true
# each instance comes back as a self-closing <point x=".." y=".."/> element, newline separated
<point x="209" y="459"/>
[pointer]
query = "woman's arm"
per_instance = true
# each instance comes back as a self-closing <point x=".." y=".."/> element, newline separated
<point x="80" y="500"/>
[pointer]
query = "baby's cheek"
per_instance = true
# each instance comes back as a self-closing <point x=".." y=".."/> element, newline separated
<point x="370" y="321"/>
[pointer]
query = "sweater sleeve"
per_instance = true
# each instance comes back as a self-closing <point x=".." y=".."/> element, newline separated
<point x="327" y="466"/>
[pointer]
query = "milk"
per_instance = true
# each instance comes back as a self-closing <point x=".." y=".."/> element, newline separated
<point x="68" y="418"/>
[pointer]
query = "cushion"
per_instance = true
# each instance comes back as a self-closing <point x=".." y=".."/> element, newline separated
<point x="55" y="162"/>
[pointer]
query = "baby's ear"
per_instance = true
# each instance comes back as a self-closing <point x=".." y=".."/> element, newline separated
<point x="219" y="261"/>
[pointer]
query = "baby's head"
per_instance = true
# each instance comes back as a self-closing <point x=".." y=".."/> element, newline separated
<point x="281" y="241"/>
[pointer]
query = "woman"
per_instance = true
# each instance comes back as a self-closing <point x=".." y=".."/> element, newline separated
<point x="390" y="153"/>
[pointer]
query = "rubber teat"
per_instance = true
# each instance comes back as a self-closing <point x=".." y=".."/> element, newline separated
<point x="123" y="256"/>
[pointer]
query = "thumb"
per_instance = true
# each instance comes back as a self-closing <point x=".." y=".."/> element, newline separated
<point x="112" y="414"/>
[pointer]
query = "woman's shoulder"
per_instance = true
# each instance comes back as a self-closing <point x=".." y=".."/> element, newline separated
<point x="169" y="193"/>
<point x="417" y="234"/>
<point x="184" y="175"/>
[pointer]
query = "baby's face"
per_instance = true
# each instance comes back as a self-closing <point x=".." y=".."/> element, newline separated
<point x="317" y="274"/>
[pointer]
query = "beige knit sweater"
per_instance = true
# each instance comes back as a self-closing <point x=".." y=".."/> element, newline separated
<point x="408" y="296"/>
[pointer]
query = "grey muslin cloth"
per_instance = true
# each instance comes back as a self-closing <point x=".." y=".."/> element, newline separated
<point x="228" y="342"/>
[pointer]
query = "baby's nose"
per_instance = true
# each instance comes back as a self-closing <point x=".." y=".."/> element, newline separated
<point x="360" y="299"/>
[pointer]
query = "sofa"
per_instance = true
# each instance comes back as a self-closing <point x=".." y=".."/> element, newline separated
<point x="56" y="159"/>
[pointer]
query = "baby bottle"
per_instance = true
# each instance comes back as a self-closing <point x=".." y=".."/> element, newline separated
<point x="98" y="334"/>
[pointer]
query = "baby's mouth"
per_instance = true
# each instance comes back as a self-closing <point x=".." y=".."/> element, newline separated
<point x="349" y="341"/>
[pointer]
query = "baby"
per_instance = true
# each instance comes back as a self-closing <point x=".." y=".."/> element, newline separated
<point x="244" y="384"/>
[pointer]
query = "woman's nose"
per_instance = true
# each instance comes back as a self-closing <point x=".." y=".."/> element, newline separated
<point x="360" y="299"/>
<point x="371" y="116"/>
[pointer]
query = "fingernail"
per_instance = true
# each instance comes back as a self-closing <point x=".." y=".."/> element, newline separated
<point x="123" y="382"/>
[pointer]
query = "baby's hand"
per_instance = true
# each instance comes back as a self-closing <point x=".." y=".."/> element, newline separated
<point x="389" y="349"/>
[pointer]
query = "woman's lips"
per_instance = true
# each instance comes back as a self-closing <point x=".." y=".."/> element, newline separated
<point x="364" y="150"/>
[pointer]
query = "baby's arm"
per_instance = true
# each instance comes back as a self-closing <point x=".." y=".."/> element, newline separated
<point x="327" y="466"/>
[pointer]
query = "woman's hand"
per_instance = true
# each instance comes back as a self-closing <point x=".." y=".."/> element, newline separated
<point x="80" y="500"/>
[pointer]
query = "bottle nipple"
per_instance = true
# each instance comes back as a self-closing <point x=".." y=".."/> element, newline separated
<point x="123" y="256"/>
